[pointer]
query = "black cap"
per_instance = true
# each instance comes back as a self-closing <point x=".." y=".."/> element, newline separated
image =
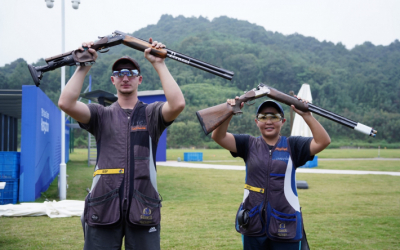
<point x="125" y="62"/>
<point x="270" y="103"/>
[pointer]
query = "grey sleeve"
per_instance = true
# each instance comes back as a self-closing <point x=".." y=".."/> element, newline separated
<point x="155" y="121"/>
<point x="96" y="110"/>
<point x="300" y="148"/>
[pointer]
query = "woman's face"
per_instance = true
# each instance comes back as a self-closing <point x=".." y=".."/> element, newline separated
<point x="269" y="129"/>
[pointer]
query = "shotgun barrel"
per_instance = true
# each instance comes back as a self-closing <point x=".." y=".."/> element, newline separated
<point x="77" y="57"/>
<point x="211" y="118"/>
<point x="141" y="44"/>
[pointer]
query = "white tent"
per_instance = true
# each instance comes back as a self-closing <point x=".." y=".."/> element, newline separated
<point x="300" y="128"/>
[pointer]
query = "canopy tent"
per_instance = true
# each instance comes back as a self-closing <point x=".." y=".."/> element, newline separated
<point x="300" y="128"/>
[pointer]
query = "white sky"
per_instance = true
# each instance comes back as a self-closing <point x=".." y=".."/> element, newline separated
<point x="30" y="30"/>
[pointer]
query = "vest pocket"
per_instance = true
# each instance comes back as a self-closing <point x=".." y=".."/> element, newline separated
<point x="254" y="225"/>
<point x="103" y="210"/>
<point x="145" y="211"/>
<point x="281" y="225"/>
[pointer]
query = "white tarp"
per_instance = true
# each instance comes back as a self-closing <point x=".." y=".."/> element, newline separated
<point x="53" y="209"/>
<point x="300" y="128"/>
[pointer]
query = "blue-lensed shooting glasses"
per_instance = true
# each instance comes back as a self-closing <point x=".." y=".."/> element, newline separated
<point x="126" y="72"/>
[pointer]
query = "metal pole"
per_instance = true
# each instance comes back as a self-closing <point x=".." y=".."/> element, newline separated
<point x="63" y="166"/>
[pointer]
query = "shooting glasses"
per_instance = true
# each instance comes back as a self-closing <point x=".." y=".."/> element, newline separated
<point x="126" y="72"/>
<point x="272" y="117"/>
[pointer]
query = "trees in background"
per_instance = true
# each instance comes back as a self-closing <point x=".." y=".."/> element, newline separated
<point x="362" y="84"/>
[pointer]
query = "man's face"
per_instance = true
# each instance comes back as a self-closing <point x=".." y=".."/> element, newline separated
<point x="268" y="128"/>
<point x="126" y="85"/>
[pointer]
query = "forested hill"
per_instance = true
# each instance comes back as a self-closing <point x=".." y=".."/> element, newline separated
<point x="362" y="84"/>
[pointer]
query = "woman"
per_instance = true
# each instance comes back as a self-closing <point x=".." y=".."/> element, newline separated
<point x="269" y="216"/>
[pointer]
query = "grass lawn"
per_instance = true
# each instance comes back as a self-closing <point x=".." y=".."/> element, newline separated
<point x="224" y="155"/>
<point x="199" y="207"/>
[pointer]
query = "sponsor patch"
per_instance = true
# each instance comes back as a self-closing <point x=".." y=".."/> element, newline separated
<point x="146" y="215"/>
<point x="139" y="128"/>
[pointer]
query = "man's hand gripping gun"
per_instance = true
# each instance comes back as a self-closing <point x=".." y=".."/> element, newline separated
<point x="211" y="118"/>
<point x="82" y="58"/>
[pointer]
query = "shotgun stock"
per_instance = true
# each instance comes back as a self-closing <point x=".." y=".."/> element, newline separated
<point x="211" y="118"/>
<point x="84" y="58"/>
<point x="74" y="57"/>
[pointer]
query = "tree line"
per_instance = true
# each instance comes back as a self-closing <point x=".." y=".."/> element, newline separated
<point x="362" y="84"/>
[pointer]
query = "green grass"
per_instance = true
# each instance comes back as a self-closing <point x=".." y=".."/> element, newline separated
<point x="199" y="207"/>
<point x="224" y="155"/>
<point x="366" y="165"/>
<point x="360" y="153"/>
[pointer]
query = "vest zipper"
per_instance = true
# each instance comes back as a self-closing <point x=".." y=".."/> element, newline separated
<point x="267" y="187"/>
<point x="268" y="181"/>
<point x="125" y="203"/>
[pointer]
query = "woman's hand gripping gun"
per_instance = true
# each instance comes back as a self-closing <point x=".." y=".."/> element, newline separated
<point x="211" y="118"/>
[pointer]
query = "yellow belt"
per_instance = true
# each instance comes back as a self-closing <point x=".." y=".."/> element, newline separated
<point x="254" y="189"/>
<point x="109" y="171"/>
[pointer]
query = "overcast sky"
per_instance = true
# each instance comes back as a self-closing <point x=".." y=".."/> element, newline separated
<point x="30" y="30"/>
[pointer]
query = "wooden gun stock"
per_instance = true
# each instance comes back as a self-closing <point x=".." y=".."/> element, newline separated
<point x="211" y="118"/>
<point x="287" y="99"/>
<point x="142" y="45"/>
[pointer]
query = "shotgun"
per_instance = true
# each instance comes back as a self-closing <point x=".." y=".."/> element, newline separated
<point x="84" y="58"/>
<point x="211" y="118"/>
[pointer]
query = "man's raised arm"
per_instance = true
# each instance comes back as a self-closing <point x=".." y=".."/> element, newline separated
<point x="68" y="100"/>
<point x="175" y="100"/>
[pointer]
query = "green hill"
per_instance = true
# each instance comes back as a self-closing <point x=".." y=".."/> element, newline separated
<point x="362" y="84"/>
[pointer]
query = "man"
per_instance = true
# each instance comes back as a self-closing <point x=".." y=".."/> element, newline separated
<point x="269" y="216"/>
<point x="124" y="200"/>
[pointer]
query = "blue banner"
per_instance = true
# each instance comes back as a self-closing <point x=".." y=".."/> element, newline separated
<point x="161" y="154"/>
<point x="40" y="143"/>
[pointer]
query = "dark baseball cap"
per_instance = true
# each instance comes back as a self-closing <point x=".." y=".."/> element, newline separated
<point x="125" y="62"/>
<point x="270" y="103"/>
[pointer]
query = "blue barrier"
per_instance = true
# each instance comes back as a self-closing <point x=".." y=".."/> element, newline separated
<point x="40" y="143"/>
<point x="151" y="97"/>
<point x="9" y="165"/>
<point x="9" y="194"/>
<point x="311" y="164"/>
<point x="193" y="156"/>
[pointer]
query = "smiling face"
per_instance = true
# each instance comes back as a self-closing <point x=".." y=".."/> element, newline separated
<point x="270" y="130"/>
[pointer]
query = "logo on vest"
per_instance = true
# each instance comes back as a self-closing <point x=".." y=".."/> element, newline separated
<point x="95" y="217"/>
<point x="282" y="231"/>
<point x="281" y="149"/>
<point x="146" y="214"/>
<point x="139" y="127"/>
